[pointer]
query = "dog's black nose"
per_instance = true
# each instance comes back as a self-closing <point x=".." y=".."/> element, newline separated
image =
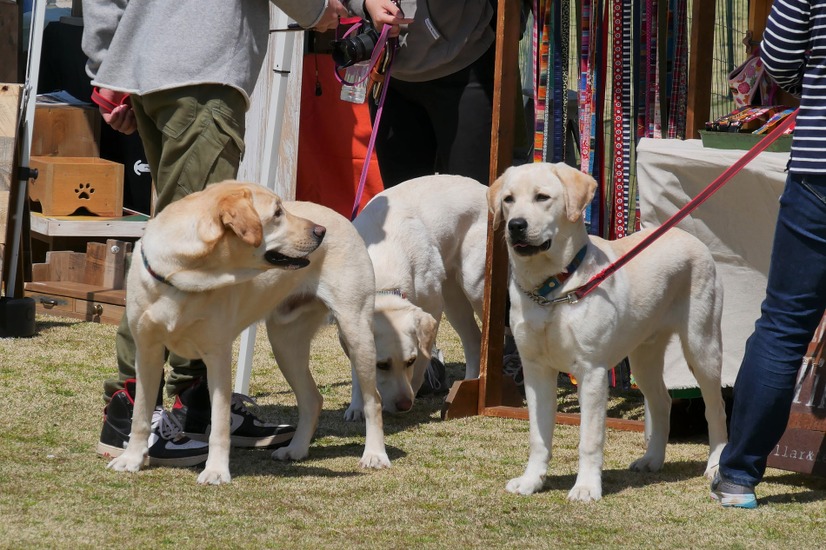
<point x="319" y="231"/>
<point x="517" y="226"/>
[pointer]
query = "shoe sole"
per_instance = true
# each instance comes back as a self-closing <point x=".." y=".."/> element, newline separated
<point x="108" y="451"/>
<point x="735" y="501"/>
<point x="243" y="442"/>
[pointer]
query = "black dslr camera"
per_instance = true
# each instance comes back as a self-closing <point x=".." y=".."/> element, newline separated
<point x="354" y="49"/>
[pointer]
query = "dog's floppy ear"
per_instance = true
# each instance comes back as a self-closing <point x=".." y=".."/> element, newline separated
<point x="494" y="200"/>
<point x="237" y="212"/>
<point x="425" y="332"/>
<point x="579" y="189"/>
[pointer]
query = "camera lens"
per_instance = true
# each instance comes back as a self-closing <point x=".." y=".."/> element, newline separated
<point x="353" y="50"/>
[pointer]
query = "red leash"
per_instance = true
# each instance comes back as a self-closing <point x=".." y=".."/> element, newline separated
<point x="578" y="294"/>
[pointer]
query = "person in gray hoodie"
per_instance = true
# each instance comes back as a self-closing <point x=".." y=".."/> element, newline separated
<point x="438" y="109"/>
<point x="181" y="73"/>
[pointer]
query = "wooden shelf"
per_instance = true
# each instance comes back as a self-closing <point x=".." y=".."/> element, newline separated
<point x="88" y="226"/>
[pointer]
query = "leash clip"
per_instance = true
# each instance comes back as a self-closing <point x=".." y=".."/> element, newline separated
<point x="570" y="298"/>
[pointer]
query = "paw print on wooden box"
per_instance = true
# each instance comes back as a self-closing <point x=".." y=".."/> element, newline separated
<point x="66" y="184"/>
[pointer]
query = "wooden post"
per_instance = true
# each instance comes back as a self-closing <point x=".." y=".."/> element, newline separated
<point x="488" y="389"/>
<point x="698" y="107"/>
<point x="9" y="115"/>
<point x="11" y="29"/>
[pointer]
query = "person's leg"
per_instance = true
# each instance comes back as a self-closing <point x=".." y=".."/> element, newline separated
<point x="202" y="138"/>
<point x="794" y="304"/>
<point x="201" y="132"/>
<point x="460" y="107"/>
<point x="192" y="136"/>
<point x="405" y="143"/>
<point x="124" y="343"/>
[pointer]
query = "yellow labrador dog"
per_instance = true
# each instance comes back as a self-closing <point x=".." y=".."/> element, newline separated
<point x="669" y="288"/>
<point x="217" y="261"/>
<point x="426" y="238"/>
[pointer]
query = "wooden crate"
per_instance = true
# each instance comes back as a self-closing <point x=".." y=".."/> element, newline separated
<point x="86" y="286"/>
<point x="65" y="184"/>
<point x="66" y="131"/>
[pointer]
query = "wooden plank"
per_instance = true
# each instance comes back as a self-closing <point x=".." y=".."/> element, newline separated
<point x="66" y="266"/>
<point x="758" y="15"/>
<point x="462" y="400"/>
<point x="496" y="258"/>
<point x="66" y="131"/>
<point x="87" y="226"/>
<point x="9" y="112"/>
<point x="571" y="419"/>
<point x="71" y="289"/>
<point x="94" y="266"/>
<point x="11" y="31"/>
<point x="114" y="273"/>
<point x="698" y="109"/>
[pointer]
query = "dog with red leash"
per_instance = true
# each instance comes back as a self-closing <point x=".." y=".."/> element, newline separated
<point x="669" y="288"/>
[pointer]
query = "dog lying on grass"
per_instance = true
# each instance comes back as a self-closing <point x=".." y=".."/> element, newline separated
<point x="217" y="261"/>
<point x="670" y="287"/>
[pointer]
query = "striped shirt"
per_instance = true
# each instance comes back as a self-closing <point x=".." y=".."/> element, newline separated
<point x="794" y="54"/>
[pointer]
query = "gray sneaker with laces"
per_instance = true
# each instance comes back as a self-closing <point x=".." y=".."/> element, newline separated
<point x="731" y="494"/>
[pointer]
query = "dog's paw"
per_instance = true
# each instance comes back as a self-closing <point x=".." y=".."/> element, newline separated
<point x="354" y="414"/>
<point x="374" y="460"/>
<point x="214" y="476"/>
<point x="647" y="464"/>
<point x="289" y="452"/>
<point x="711" y="471"/>
<point x="126" y="463"/>
<point x="585" y="493"/>
<point x="525" y="485"/>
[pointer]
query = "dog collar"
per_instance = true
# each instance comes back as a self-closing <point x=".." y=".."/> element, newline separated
<point x="152" y="272"/>
<point x="540" y="295"/>
<point x="394" y="291"/>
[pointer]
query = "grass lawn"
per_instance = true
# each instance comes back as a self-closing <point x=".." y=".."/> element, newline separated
<point x="445" y="489"/>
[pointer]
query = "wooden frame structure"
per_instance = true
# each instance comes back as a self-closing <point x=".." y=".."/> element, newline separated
<point x="487" y="395"/>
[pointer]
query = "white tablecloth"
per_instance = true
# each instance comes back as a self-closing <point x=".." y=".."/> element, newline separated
<point x="737" y="223"/>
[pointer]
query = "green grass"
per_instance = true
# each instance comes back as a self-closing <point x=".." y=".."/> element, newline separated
<point x="445" y="489"/>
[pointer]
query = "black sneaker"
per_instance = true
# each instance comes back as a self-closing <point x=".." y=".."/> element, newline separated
<point x="193" y="411"/>
<point x="731" y="494"/>
<point x="512" y="363"/>
<point x="435" y="377"/>
<point x="168" y="446"/>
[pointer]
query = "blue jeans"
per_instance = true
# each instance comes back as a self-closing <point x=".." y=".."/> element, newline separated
<point x="791" y="311"/>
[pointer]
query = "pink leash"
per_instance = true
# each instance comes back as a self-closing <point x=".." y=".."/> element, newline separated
<point x="575" y="295"/>
<point x="380" y="44"/>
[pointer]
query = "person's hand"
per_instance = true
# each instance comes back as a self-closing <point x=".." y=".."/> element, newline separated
<point x="122" y="119"/>
<point x="386" y="12"/>
<point x="329" y="21"/>
<point x="116" y="112"/>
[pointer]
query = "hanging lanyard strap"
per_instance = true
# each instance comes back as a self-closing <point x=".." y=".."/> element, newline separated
<point x="385" y="47"/>
<point x="712" y="188"/>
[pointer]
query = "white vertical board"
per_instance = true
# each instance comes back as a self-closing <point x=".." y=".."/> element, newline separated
<point x="271" y="156"/>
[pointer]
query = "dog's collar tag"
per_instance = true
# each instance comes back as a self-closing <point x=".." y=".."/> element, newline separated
<point x="540" y="295"/>
<point x="151" y="271"/>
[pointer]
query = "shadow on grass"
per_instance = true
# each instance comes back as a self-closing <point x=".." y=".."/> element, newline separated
<point x="813" y="495"/>
<point x="815" y="484"/>
<point x="45" y="324"/>
<point x="256" y="462"/>
<point x="618" y="480"/>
